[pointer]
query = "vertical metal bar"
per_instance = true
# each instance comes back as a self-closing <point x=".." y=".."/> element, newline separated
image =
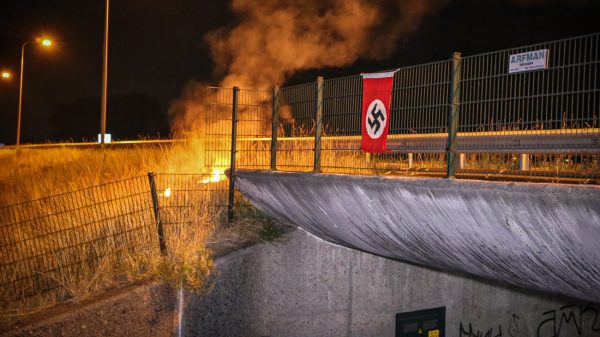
<point x="462" y="161"/>
<point x="104" y="76"/>
<point x="156" y="206"/>
<point x="524" y="162"/>
<point x="453" y="115"/>
<point x="318" y="124"/>
<point x="20" y="95"/>
<point x="234" y="113"/>
<point x="275" y="123"/>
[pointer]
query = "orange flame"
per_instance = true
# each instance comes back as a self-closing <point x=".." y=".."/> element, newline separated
<point x="216" y="176"/>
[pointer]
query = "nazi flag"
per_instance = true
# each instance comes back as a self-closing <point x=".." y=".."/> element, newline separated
<point x="376" y="103"/>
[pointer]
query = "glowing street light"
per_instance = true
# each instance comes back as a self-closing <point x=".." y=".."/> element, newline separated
<point x="45" y="42"/>
<point x="6" y="75"/>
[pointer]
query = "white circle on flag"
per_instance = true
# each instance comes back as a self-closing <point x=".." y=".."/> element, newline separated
<point x="376" y="119"/>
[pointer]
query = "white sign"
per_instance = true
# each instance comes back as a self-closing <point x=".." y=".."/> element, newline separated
<point x="107" y="138"/>
<point x="531" y="60"/>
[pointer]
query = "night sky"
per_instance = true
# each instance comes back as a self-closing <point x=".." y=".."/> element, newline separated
<point x="157" y="46"/>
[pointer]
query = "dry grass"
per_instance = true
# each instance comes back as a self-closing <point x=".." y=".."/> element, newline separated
<point x="78" y="243"/>
<point x="35" y="173"/>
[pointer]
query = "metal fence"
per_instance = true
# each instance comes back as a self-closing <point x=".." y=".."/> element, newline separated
<point x="295" y="111"/>
<point x="50" y="244"/>
<point x="536" y="123"/>
<point x="463" y="117"/>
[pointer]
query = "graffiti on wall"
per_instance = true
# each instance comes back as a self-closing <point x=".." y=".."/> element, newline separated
<point x="512" y="330"/>
<point x="568" y="321"/>
<point x="469" y="331"/>
<point x="570" y="317"/>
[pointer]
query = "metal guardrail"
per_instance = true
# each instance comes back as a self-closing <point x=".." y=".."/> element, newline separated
<point x="568" y="141"/>
<point x="113" y="144"/>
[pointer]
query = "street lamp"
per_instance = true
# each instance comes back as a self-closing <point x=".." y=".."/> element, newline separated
<point x="6" y="75"/>
<point x="104" y="76"/>
<point x="44" y="42"/>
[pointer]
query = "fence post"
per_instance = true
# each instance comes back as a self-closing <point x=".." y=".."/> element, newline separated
<point x="275" y="123"/>
<point x="453" y="115"/>
<point x="524" y="162"/>
<point x="156" y="206"/>
<point x="318" y="124"/>
<point x="234" y="121"/>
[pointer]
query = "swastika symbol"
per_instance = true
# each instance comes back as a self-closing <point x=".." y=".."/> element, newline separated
<point x="376" y="119"/>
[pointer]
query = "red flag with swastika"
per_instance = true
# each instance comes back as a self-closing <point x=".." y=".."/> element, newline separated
<point x="376" y="103"/>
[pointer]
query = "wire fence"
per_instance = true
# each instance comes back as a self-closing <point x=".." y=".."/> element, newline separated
<point x="51" y="244"/>
<point x="295" y="128"/>
<point x="534" y="123"/>
<point x="469" y="116"/>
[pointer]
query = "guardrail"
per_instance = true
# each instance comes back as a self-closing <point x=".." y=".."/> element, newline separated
<point x="113" y="144"/>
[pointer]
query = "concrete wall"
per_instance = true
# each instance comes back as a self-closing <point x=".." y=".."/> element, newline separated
<point x="538" y="236"/>
<point x="304" y="286"/>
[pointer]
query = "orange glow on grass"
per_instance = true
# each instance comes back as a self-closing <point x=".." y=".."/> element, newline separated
<point x="167" y="193"/>
<point x="216" y="176"/>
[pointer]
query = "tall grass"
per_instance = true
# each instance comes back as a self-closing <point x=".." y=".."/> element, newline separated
<point x="74" y="244"/>
<point x="32" y="173"/>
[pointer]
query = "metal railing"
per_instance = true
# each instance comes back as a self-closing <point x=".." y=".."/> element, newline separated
<point x="48" y="244"/>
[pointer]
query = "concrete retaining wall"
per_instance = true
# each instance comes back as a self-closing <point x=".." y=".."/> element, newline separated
<point x="538" y="236"/>
<point x="304" y="286"/>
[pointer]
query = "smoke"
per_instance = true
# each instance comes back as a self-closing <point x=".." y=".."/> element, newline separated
<point x="277" y="38"/>
<point x="274" y="39"/>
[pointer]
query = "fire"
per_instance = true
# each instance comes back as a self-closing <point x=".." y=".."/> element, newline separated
<point x="216" y="176"/>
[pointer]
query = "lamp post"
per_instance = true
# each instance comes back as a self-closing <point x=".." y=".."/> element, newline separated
<point x="104" y="76"/>
<point x="45" y="43"/>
